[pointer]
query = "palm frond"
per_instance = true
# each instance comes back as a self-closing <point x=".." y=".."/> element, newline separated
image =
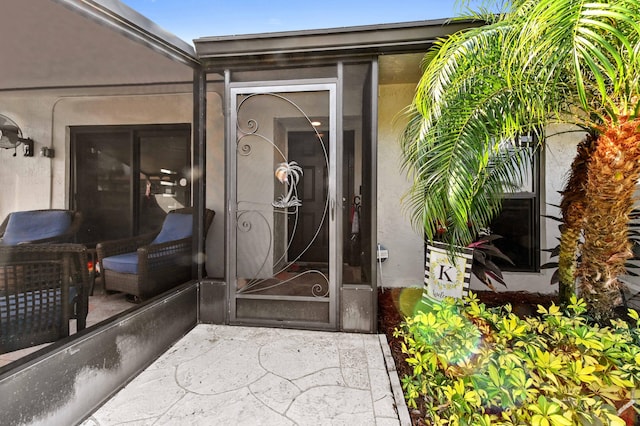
<point x="590" y="44"/>
<point x="486" y="85"/>
<point x="459" y="166"/>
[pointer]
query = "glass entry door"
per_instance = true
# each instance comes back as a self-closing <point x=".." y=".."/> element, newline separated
<point x="126" y="178"/>
<point x="283" y="214"/>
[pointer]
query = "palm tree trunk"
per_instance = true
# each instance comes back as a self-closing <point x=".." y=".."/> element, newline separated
<point x="572" y="207"/>
<point x="612" y="176"/>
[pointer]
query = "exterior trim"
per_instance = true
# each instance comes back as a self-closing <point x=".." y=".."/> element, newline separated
<point x="133" y="25"/>
<point x="375" y="84"/>
<point x="199" y="153"/>
<point x="286" y="48"/>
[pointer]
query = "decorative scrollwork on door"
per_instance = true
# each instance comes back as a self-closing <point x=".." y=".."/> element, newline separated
<point x="272" y="267"/>
<point x="288" y="174"/>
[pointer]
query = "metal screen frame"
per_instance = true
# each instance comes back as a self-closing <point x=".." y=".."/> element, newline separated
<point x="233" y="90"/>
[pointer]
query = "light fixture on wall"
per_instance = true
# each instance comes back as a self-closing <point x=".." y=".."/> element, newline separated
<point x="11" y="137"/>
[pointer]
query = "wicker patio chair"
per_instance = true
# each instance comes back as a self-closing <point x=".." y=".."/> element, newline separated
<point x="149" y="264"/>
<point x="40" y="227"/>
<point x="42" y="287"/>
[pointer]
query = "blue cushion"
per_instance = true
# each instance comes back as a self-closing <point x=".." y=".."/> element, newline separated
<point x="35" y="225"/>
<point x="176" y="226"/>
<point x="126" y="263"/>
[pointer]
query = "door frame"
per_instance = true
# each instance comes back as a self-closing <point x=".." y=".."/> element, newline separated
<point x="333" y="89"/>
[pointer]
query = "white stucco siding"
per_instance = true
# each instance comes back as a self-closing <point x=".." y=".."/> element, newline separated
<point x="26" y="180"/>
<point x="404" y="267"/>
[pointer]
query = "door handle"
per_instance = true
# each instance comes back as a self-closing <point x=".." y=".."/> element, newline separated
<point x="333" y="208"/>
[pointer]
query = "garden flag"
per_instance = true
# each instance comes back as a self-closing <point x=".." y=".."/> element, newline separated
<point x="446" y="275"/>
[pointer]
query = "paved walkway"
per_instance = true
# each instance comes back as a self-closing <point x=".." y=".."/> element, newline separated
<point x="224" y="375"/>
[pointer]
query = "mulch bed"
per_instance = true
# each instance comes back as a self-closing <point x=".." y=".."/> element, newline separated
<point x="395" y="304"/>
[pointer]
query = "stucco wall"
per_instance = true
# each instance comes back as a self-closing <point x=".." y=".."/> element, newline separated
<point x="26" y="180"/>
<point x="404" y="267"/>
<point x="39" y="183"/>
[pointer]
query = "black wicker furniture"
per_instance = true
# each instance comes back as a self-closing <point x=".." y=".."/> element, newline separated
<point x="39" y="227"/>
<point x="42" y="287"/>
<point x="149" y="264"/>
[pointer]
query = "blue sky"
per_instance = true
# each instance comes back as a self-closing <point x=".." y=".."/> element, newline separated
<point x="190" y="19"/>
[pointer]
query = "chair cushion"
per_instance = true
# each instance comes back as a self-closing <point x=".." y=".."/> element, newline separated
<point x="176" y="226"/>
<point x="125" y="263"/>
<point x="35" y="225"/>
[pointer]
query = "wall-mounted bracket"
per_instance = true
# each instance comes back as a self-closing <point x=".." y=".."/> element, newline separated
<point x="28" y="147"/>
<point x="47" y="152"/>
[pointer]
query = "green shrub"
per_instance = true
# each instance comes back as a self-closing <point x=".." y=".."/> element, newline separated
<point x="474" y="365"/>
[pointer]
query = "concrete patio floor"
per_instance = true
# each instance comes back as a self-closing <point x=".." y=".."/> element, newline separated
<point x="229" y="375"/>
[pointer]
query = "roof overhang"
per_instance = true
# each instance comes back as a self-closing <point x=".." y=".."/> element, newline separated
<point x="87" y="43"/>
<point x="95" y="43"/>
<point x="309" y="46"/>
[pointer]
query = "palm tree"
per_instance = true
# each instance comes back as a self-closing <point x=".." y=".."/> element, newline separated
<point x="572" y="207"/>
<point x="539" y="62"/>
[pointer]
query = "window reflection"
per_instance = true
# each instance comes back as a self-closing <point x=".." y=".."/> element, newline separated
<point x="124" y="181"/>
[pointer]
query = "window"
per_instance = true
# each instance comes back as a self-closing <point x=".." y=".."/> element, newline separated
<point x="126" y="178"/>
<point x="519" y="223"/>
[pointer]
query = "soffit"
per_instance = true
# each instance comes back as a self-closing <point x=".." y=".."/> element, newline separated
<point x="78" y="43"/>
